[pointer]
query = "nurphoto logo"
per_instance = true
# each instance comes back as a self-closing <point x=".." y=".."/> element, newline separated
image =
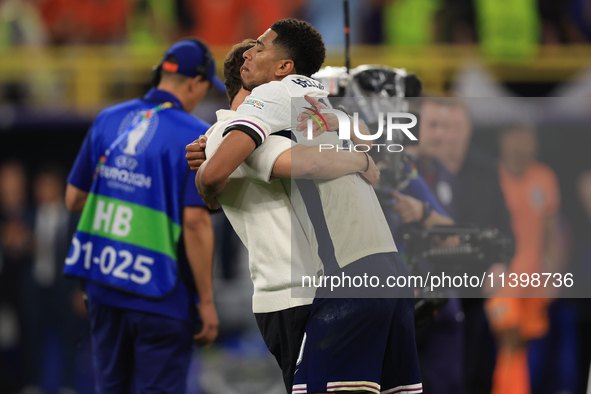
<point x="345" y="129"/>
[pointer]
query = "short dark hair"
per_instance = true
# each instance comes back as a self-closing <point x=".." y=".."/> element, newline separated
<point x="232" y="63"/>
<point x="302" y="43"/>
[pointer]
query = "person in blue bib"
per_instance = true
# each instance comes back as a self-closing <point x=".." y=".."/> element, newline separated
<point x="144" y="244"/>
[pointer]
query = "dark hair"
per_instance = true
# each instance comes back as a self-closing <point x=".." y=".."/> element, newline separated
<point x="302" y="43"/>
<point x="232" y="63"/>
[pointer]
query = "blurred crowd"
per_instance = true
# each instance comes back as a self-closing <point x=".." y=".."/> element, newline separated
<point x="39" y="308"/>
<point x="225" y="22"/>
<point x="537" y="343"/>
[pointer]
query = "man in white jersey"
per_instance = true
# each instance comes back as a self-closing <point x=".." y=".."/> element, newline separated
<point x="350" y="344"/>
<point x="259" y="208"/>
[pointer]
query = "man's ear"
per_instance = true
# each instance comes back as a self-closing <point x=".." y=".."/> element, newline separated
<point x="284" y="68"/>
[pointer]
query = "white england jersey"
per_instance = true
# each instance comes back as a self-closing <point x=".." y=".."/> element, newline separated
<point x="260" y="212"/>
<point x="270" y="107"/>
<point x="350" y="209"/>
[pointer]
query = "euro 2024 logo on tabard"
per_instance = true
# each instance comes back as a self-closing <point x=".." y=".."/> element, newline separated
<point x="122" y="175"/>
<point x="140" y="137"/>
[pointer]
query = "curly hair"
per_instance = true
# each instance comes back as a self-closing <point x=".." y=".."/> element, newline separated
<point x="232" y="63"/>
<point x="302" y="43"/>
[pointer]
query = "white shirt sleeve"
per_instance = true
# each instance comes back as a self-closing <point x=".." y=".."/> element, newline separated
<point x="259" y="164"/>
<point x="214" y="139"/>
<point x="267" y="110"/>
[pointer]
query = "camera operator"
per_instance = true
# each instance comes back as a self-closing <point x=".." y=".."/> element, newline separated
<point x="440" y="343"/>
<point x="467" y="185"/>
<point x="416" y="204"/>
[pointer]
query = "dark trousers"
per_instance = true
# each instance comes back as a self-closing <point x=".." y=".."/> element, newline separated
<point x="139" y="352"/>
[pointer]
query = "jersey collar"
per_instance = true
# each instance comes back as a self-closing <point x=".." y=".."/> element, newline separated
<point x="155" y="95"/>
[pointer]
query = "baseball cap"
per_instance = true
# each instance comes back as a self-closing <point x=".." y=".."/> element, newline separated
<point x="193" y="58"/>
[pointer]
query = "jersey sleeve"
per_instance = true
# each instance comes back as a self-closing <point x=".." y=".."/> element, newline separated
<point x="259" y="164"/>
<point x="81" y="175"/>
<point x="267" y="110"/>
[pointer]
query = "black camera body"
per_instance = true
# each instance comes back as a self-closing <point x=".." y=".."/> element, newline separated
<point x="476" y="251"/>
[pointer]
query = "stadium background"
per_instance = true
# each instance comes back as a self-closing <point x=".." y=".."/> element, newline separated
<point x="62" y="61"/>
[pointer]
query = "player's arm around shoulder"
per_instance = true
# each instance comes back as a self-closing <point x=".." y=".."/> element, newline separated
<point x="213" y="173"/>
<point x="312" y="162"/>
<point x="199" y="239"/>
<point x="253" y="122"/>
<point x="265" y="111"/>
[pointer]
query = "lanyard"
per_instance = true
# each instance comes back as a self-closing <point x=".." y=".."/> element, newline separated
<point x="146" y="115"/>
